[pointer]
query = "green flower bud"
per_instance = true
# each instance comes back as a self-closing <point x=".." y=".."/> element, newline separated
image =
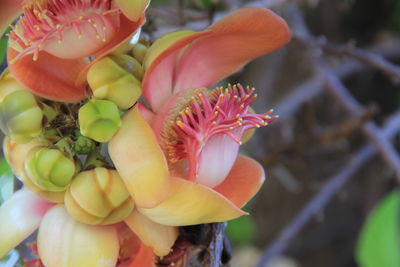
<point x="98" y="196"/>
<point x="116" y="78"/>
<point x="99" y="120"/>
<point x="139" y="51"/>
<point x="49" y="169"/>
<point x="8" y="84"/>
<point x="83" y="145"/>
<point x="21" y="117"/>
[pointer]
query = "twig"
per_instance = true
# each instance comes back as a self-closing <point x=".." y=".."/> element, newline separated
<point x="371" y="59"/>
<point x="319" y="201"/>
<point x="217" y="244"/>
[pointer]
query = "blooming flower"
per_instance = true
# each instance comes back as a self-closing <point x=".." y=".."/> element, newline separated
<point x="185" y="169"/>
<point x="60" y="35"/>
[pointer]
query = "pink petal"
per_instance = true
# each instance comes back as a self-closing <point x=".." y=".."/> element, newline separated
<point x="243" y="182"/>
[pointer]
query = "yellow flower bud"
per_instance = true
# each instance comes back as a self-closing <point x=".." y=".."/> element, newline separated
<point x="139" y="51"/>
<point x="15" y="154"/>
<point x="21" y="117"/>
<point x="98" y="196"/>
<point x="49" y="169"/>
<point x="8" y="84"/>
<point x="99" y="120"/>
<point x="116" y="78"/>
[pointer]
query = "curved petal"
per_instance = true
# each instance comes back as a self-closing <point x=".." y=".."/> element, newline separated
<point x="140" y="161"/>
<point x="133" y="9"/>
<point x="9" y="11"/>
<point x="160" y="63"/>
<point x="234" y="41"/>
<point x="202" y="59"/>
<point x="159" y="237"/>
<point x="64" y="242"/>
<point x="189" y="203"/>
<point x="20" y="216"/>
<point x="49" y="77"/>
<point x="146" y="113"/>
<point x="243" y="181"/>
<point x="144" y="258"/>
<point x="126" y="30"/>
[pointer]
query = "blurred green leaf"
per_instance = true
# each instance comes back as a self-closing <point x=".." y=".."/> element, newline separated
<point x="3" y="48"/>
<point x="379" y="241"/>
<point x="6" y="180"/>
<point x="241" y="231"/>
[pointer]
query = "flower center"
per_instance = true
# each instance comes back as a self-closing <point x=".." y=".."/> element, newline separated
<point x="46" y="24"/>
<point x="207" y="116"/>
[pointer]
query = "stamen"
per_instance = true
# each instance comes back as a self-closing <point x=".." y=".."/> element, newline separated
<point x="209" y="113"/>
<point x="46" y="20"/>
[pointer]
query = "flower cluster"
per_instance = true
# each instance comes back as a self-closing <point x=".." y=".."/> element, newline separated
<point x="118" y="140"/>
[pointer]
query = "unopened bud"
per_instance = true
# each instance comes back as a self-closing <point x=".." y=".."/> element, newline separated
<point x="21" y="117"/>
<point x="139" y="51"/>
<point x="8" y="84"/>
<point x="99" y="120"/>
<point x="15" y="154"/>
<point x="118" y="83"/>
<point x="83" y="145"/>
<point x="98" y="196"/>
<point x="49" y="169"/>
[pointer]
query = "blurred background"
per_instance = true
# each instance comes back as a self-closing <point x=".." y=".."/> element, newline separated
<point x="331" y="158"/>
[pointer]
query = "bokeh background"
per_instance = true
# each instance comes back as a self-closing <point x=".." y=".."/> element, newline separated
<point x="331" y="158"/>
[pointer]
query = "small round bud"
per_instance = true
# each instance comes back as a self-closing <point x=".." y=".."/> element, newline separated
<point x="99" y="120"/>
<point x="98" y="196"/>
<point x="117" y="83"/>
<point x="21" y="117"/>
<point x="83" y="145"/>
<point x="8" y="84"/>
<point x="49" y="169"/>
<point x="139" y="51"/>
<point x="15" y="154"/>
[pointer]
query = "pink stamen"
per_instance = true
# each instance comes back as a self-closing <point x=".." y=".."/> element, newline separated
<point x="47" y="20"/>
<point x="223" y="111"/>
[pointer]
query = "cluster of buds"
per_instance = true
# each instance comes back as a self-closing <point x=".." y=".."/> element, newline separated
<point x="54" y="147"/>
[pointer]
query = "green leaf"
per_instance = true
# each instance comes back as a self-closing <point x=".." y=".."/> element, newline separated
<point x="241" y="231"/>
<point x="3" y="48"/>
<point x="379" y="241"/>
<point x="6" y="180"/>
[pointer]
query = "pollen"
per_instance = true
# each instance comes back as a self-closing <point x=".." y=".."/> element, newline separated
<point x="44" y="21"/>
<point x="222" y="111"/>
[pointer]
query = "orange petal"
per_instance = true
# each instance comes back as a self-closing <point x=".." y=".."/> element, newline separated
<point x="20" y="216"/>
<point x="243" y="181"/>
<point x="189" y="203"/>
<point x="9" y="11"/>
<point x="49" y="77"/>
<point x="64" y="242"/>
<point x="144" y="258"/>
<point x="133" y="9"/>
<point x="234" y="41"/>
<point x="159" y="237"/>
<point x="160" y="63"/>
<point x="140" y="161"/>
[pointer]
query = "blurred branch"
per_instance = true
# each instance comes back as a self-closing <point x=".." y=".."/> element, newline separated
<point x="371" y="59"/>
<point x="379" y="138"/>
<point x="322" y="198"/>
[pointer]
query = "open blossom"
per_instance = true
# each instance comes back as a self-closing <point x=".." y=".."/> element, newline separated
<point x="186" y="170"/>
<point x="51" y="41"/>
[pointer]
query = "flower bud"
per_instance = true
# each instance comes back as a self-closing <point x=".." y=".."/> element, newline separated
<point x="116" y="78"/>
<point x="99" y="120"/>
<point x="139" y="51"/>
<point x="8" y="84"/>
<point x="21" y="117"/>
<point x="98" y="196"/>
<point x="83" y="145"/>
<point x="49" y="169"/>
<point x="15" y="154"/>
